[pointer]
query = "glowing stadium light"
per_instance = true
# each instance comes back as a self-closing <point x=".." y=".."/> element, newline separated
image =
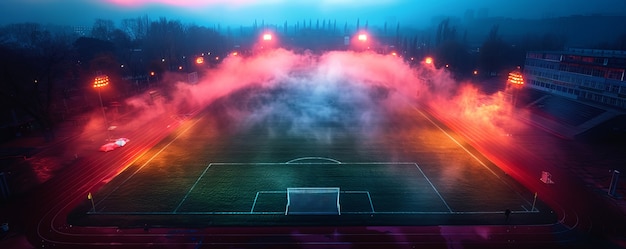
<point x="362" y="37"/>
<point x="267" y="37"/>
<point x="515" y="77"/>
<point x="428" y="60"/>
<point x="101" y="81"/>
<point x="200" y="60"/>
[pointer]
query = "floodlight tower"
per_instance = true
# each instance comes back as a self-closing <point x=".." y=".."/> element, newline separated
<point x="429" y="61"/>
<point x="267" y="40"/>
<point x="514" y="83"/>
<point x="99" y="82"/>
<point x="267" y="37"/>
<point x="361" y="42"/>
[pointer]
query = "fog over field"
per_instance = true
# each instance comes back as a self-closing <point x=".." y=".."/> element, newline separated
<point x="355" y="90"/>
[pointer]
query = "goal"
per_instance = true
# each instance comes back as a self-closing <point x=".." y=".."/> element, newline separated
<point x="313" y="201"/>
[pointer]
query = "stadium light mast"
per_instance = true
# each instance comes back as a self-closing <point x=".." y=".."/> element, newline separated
<point x="99" y="82"/>
<point x="267" y="40"/>
<point x="361" y="41"/>
<point x="515" y="81"/>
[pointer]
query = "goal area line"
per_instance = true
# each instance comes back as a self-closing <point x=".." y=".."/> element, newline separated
<point x="313" y="201"/>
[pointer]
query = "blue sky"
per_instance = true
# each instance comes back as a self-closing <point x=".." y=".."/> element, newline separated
<point x="245" y="12"/>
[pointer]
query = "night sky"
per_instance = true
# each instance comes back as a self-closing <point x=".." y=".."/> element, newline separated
<point x="245" y="12"/>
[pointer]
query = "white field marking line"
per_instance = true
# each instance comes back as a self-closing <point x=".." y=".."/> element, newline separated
<point x="287" y="206"/>
<point x="293" y="163"/>
<point x="313" y="158"/>
<point x="433" y="186"/>
<point x="530" y="211"/>
<point x="254" y="203"/>
<point x="470" y="153"/>
<point x="282" y="213"/>
<point x="365" y="163"/>
<point x="281" y="163"/>
<point x="370" y="198"/>
<point x="456" y="142"/>
<point x="149" y="160"/>
<point x="341" y="192"/>
<point x="192" y="187"/>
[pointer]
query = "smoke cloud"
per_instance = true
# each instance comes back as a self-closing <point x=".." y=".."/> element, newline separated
<point x="323" y="97"/>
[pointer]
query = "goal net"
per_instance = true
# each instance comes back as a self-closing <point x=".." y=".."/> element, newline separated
<point x="313" y="201"/>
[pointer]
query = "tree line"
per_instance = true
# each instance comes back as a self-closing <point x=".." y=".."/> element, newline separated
<point x="45" y="71"/>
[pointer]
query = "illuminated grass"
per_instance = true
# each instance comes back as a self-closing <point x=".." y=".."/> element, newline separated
<point x="209" y="176"/>
<point x="224" y="194"/>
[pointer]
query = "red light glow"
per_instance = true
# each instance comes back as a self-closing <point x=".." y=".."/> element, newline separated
<point x="101" y="81"/>
<point x="428" y="60"/>
<point x="200" y="60"/>
<point x="515" y="78"/>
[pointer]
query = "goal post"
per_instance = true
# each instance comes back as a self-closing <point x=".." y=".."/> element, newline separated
<point x="313" y="201"/>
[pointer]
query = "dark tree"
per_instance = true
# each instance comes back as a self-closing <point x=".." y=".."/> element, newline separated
<point x="102" y="29"/>
<point x="165" y="40"/>
<point x="33" y="66"/>
<point x="89" y="49"/>
<point x="445" y="32"/>
<point x="493" y="54"/>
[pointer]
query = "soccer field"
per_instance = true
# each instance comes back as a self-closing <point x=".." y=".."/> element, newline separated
<point x="261" y="188"/>
<point x="393" y="192"/>
<point x="217" y="170"/>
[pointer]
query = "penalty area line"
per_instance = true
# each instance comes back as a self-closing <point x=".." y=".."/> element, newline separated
<point x="192" y="187"/>
<point x="254" y="203"/>
<point x="433" y="186"/>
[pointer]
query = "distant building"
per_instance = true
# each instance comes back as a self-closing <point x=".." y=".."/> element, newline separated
<point x="588" y="75"/>
<point x="82" y="30"/>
